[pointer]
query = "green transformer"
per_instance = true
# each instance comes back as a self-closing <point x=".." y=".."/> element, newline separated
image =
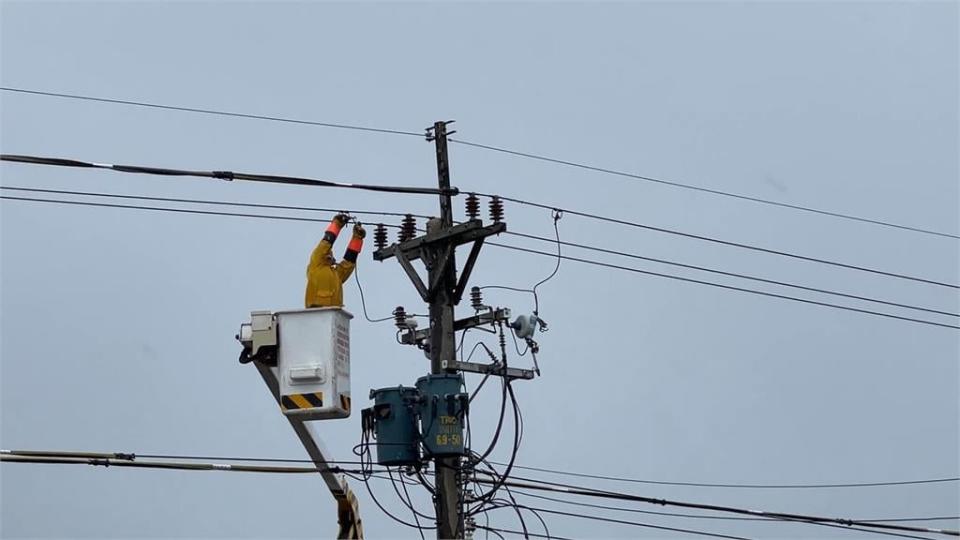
<point x="442" y="412"/>
<point x="394" y="418"/>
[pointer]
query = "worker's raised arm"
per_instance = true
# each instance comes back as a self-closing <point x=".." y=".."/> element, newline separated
<point x="323" y="249"/>
<point x="345" y="268"/>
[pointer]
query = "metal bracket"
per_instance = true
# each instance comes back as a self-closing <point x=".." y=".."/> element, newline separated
<point x="467" y="270"/>
<point x="491" y="369"/>
<point x="441" y="261"/>
<point x="413" y="337"/>
<point x="414" y="276"/>
<point x="457" y="235"/>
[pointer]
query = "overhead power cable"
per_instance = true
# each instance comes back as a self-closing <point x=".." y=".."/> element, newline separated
<point x="733" y="274"/>
<point x="625" y="522"/>
<point x="522" y="533"/>
<point x="740" y="485"/>
<point x="723" y="286"/>
<point x="701" y="189"/>
<point x="706" y="516"/>
<point x="133" y="460"/>
<point x="517" y="234"/>
<point x="209" y="202"/>
<point x="115" y="462"/>
<point x="214" y="112"/>
<point x="723" y="242"/>
<point x="517" y="248"/>
<point x="223" y="175"/>
<point x="556" y="487"/>
<point x="584" y="166"/>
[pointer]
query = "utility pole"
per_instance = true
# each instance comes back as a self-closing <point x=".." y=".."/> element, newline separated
<point x="443" y="291"/>
<point x="443" y="341"/>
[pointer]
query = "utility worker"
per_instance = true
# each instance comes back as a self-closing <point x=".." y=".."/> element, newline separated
<point x="325" y="276"/>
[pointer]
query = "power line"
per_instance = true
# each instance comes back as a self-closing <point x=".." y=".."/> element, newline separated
<point x="723" y="242"/>
<point x="633" y="523"/>
<point x="214" y="112"/>
<point x="481" y="146"/>
<point x="120" y="459"/>
<point x="517" y="248"/>
<point x="702" y="189"/>
<point x="728" y="287"/>
<point x="114" y="462"/>
<point x="556" y="487"/>
<point x="222" y="175"/>
<point x="703" y="516"/>
<point x="518" y="234"/>
<point x="206" y="201"/>
<point x="523" y="533"/>
<point x="733" y="274"/>
<point x="739" y="485"/>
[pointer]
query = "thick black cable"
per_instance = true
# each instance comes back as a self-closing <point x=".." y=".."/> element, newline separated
<point x="728" y="287"/>
<point x="214" y="112"/>
<point x="517" y="248"/>
<point x="725" y="242"/>
<point x="733" y="274"/>
<point x="224" y="175"/>
<point x="557" y="487"/>
<point x="703" y="189"/>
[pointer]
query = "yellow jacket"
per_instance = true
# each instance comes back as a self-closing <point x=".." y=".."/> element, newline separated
<point x="325" y="277"/>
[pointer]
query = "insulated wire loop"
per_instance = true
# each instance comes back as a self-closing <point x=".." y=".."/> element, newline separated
<point x="229" y="175"/>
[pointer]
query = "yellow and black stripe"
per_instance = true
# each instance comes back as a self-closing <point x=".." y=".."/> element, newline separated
<point x="292" y="402"/>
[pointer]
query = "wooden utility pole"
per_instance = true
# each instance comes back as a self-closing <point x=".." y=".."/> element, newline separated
<point x="443" y="291"/>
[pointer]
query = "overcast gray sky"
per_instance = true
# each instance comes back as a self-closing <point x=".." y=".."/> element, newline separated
<point x="118" y="325"/>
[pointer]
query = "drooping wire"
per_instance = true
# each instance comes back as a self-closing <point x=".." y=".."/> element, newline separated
<point x="556" y="215"/>
<point x="703" y="189"/>
<point x="363" y="302"/>
<point x="727" y="287"/>
<point x="726" y="242"/>
<point x="517" y="248"/>
<point x="223" y="175"/>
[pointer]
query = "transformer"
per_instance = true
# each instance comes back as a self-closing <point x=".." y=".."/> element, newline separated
<point x="442" y="413"/>
<point x="394" y="420"/>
